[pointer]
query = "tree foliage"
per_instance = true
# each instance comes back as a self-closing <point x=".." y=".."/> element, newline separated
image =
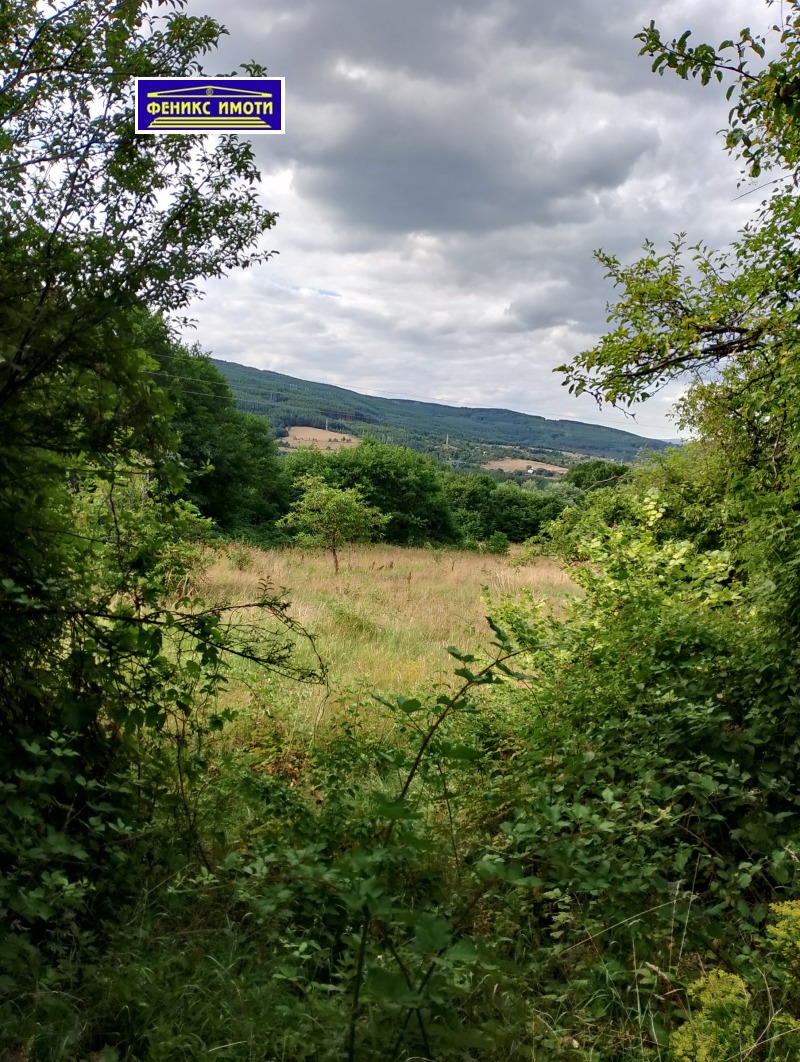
<point x="101" y="636"/>
<point x="729" y="313"/>
<point x="331" y="516"/>
<point x="407" y="487"/>
<point x="482" y="507"/>
<point x="592" y="475"/>
<point x="539" y="860"/>
<point x="234" y="475"/>
<point x="457" y="433"/>
<point x="726" y="322"/>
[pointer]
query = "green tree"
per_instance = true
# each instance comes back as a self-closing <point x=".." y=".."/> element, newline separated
<point x="692" y="308"/>
<point x="99" y="228"/>
<point x="406" y="486"/>
<point x="731" y="318"/>
<point x="470" y="496"/>
<point x="483" y="508"/>
<point x="521" y="514"/>
<point x="403" y="484"/>
<point x="235" y="475"/>
<point x="96" y="221"/>
<point x="331" y="516"/>
<point x="591" y="475"/>
<point x="689" y="631"/>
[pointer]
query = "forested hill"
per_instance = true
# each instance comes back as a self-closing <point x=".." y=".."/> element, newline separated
<point x="423" y="425"/>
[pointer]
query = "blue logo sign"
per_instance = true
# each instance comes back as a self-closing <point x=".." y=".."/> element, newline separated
<point x="209" y="105"/>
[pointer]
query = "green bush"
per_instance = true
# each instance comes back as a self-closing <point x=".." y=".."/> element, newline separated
<point x="498" y="544"/>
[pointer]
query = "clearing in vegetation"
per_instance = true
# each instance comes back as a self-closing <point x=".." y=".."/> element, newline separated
<point x="301" y="435"/>
<point x="382" y="625"/>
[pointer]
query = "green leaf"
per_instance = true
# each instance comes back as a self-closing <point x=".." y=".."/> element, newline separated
<point x="386" y="808"/>
<point x="409" y="705"/>
<point x="453" y="750"/>
<point x="390" y="985"/>
<point x="461" y="951"/>
<point x="432" y="934"/>
<point x="466" y="658"/>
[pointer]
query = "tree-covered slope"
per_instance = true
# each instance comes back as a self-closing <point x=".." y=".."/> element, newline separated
<point x="286" y="401"/>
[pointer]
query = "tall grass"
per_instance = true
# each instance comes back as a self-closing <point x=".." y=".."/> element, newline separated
<point x="383" y="624"/>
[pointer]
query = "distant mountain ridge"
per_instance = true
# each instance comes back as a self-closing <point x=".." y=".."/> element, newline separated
<point x="286" y="400"/>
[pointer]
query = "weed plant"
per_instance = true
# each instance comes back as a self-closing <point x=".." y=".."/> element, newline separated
<point x="530" y="860"/>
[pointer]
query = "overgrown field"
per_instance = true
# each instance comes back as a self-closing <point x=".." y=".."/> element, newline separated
<point x="254" y="943"/>
<point x="525" y="849"/>
<point x="527" y="855"/>
<point x="382" y="625"/>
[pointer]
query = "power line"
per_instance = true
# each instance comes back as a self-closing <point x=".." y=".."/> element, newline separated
<point x="191" y="379"/>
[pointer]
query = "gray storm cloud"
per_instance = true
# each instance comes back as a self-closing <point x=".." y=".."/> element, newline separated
<point x="447" y="171"/>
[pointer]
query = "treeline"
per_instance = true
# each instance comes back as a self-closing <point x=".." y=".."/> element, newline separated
<point x="285" y="401"/>
<point x="237" y="477"/>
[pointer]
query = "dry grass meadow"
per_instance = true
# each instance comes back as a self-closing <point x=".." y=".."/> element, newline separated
<point x="299" y="435"/>
<point x="382" y="625"/>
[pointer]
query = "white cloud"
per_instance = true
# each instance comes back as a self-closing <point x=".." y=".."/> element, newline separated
<point x="446" y="174"/>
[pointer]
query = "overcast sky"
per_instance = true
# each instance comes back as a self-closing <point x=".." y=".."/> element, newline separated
<point x="447" y="170"/>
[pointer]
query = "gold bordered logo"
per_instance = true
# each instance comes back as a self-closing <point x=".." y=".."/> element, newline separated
<point x="209" y="105"/>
